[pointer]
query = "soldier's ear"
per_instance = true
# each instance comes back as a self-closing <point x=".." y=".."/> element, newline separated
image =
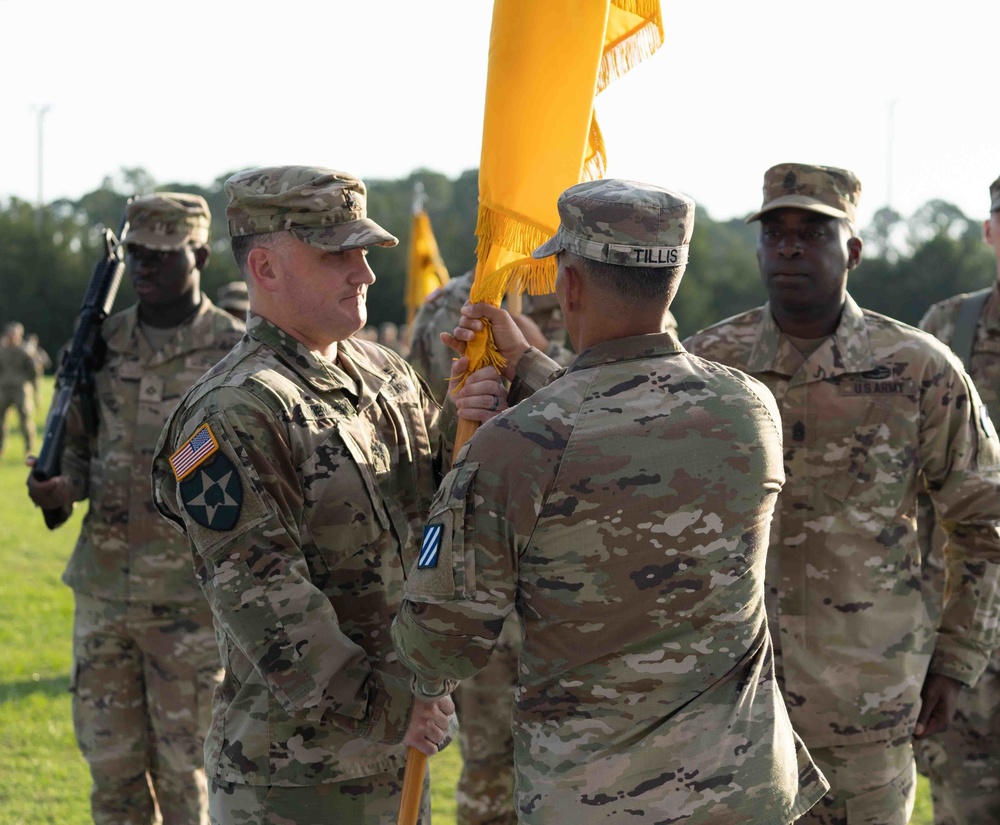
<point x="854" y="246"/>
<point x="573" y="285"/>
<point x="201" y="257"/>
<point x="262" y="269"/>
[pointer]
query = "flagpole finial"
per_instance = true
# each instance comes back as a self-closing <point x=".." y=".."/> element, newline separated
<point x="419" y="197"/>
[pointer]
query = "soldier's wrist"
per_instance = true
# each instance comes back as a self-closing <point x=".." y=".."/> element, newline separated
<point x="510" y="368"/>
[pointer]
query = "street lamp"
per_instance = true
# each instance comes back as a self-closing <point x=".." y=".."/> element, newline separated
<point x="40" y="112"/>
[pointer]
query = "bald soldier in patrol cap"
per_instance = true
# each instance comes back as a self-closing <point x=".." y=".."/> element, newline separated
<point x="963" y="762"/>
<point x="622" y="510"/>
<point x="301" y="469"/>
<point x="873" y="411"/>
<point x="145" y="662"/>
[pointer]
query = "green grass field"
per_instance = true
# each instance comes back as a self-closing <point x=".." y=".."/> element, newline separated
<point x="43" y="779"/>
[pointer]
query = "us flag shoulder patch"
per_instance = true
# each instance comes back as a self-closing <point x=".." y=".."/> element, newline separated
<point x="193" y="452"/>
<point x="430" y="546"/>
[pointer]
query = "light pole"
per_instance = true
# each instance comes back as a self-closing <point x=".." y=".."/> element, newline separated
<point x="888" y="156"/>
<point x="41" y="110"/>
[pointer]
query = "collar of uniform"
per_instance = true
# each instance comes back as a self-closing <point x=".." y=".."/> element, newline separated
<point x="319" y="373"/>
<point x="126" y="337"/>
<point x="627" y="349"/>
<point x="368" y="376"/>
<point x="848" y="350"/>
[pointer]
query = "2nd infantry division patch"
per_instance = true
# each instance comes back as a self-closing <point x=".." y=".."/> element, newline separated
<point x="213" y="494"/>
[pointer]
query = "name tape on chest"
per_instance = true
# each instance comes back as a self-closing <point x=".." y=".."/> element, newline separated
<point x="194" y="452"/>
<point x="430" y="546"/>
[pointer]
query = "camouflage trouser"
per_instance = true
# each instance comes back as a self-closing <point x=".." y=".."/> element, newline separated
<point x="872" y="783"/>
<point x="485" y="792"/>
<point x="963" y="763"/>
<point x="368" y="800"/>
<point x="143" y="679"/>
<point x="24" y="403"/>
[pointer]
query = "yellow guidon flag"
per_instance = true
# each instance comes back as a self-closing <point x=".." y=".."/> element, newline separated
<point x="548" y="60"/>
<point x="426" y="270"/>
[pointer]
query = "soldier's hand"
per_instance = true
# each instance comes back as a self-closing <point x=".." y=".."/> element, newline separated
<point x="939" y="696"/>
<point x="509" y="339"/>
<point x="429" y="724"/>
<point x="483" y="394"/>
<point x="51" y="494"/>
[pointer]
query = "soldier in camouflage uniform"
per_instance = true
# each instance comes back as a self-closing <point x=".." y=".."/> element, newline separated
<point x="35" y="350"/>
<point x="299" y="469"/>
<point x="145" y="662"/>
<point x="872" y="411"/>
<point x="43" y="363"/>
<point x="963" y="763"/>
<point x="18" y="376"/>
<point x="622" y="510"/>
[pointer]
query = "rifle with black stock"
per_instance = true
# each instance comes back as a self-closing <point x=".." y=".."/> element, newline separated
<point x="80" y="362"/>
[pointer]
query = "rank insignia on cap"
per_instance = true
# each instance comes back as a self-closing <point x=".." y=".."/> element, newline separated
<point x="430" y="546"/>
<point x="213" y="494"/>
<point x="194" y="452"/>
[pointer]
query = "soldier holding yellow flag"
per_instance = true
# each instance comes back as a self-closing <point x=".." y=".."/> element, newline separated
<point x="623" y="510"/>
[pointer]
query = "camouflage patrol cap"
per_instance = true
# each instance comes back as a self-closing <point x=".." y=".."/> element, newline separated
<point x="321" y="207"/>
<point x="168" y="220"/>
<point x="233" y="296"/>
<point x="823" y="189"/>
<point x="995" y="195"/>
<point x="623" y="222"/>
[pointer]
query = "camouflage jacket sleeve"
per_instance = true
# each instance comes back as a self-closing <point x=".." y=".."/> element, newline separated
<point x="465" y="580"/>
<point x="254" y="574"/>
<point x="961" y="465"/>
<point x="534" y="371"/>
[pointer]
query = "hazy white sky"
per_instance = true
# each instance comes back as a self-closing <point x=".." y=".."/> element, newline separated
<point x="191" y="90"/>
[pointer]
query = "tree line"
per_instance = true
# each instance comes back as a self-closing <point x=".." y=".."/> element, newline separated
<point x="46" y="255"/>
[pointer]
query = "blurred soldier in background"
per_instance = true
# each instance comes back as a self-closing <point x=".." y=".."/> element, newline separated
<point x="43" y="363"/>
<point x="388" y="336"/>
<point x="963" y="762"/>
<point x="232" y="297"/>
<point x="18" y="379"/>
<point x="35" y="351"/>
<point x="145" y="659"/>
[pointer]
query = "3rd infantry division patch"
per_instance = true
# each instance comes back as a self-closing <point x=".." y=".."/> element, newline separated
<point x="430" y="546"/>
<point x="213" y="494"/>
